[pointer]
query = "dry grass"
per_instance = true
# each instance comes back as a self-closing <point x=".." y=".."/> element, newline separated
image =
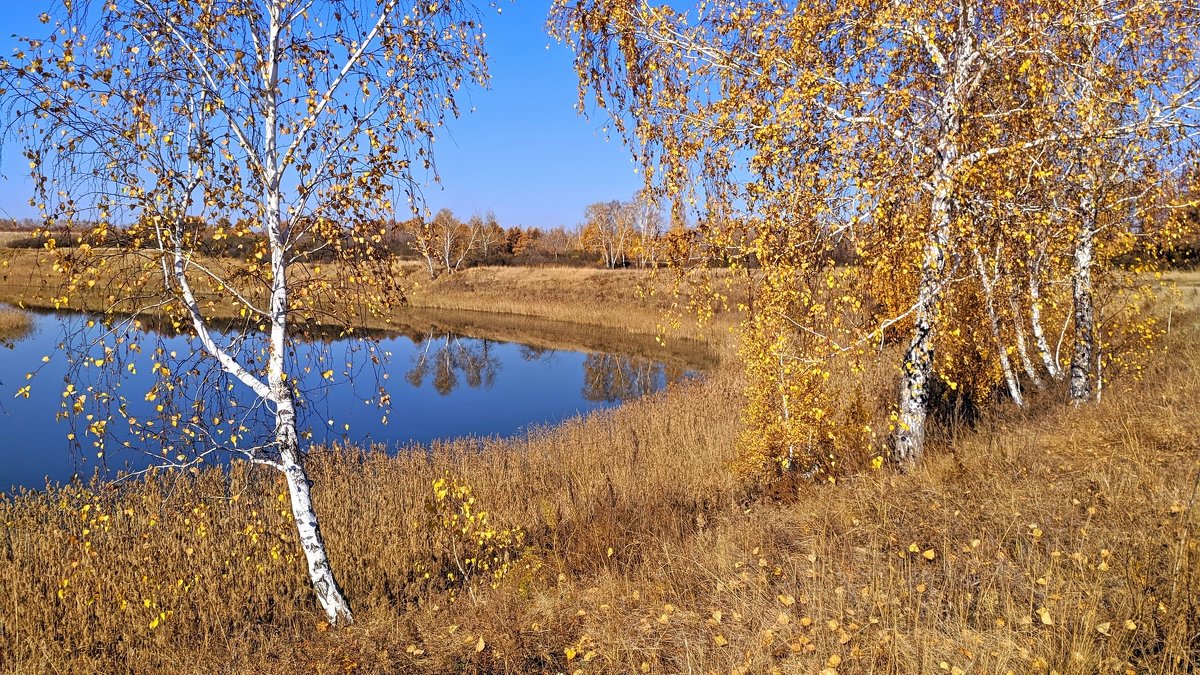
<point x="555" y="307"/>
<point x="572" y="295"/>
<point x="1047" y="540"/>
<point x="7" y="236"/>
<point x="14" y="324"/>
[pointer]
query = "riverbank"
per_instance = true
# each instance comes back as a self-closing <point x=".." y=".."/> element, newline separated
<point x="1048" y="539"/>
<point x="14" y="324"/>
<point x="625" y="311"/>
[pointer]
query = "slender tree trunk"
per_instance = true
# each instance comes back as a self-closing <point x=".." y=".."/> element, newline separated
<point x="308" y="528"/>
<point x="1022" y="343"/>
<point x="1010" y="378"/>
<point x="1039" y="335"/>
<point x="1084" y="305"/>
<point x="1085" y="245"/>
<point x="329" y="595"/>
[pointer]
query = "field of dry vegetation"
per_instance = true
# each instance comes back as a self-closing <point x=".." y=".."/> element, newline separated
<point x="14" y="324"/>
<point x="1050" y="539"/>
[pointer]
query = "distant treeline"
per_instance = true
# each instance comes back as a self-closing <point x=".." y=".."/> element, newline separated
<point x="488" y="245"/>
<point x="613" y="234"/>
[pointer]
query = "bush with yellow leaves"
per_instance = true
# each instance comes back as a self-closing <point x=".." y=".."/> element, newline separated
<point x="468" y="548"/>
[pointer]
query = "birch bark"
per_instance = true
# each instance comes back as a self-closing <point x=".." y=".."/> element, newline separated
<point x="1084" y="305"/>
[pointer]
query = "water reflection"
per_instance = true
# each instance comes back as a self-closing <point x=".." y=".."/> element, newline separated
<point x="122" y="397"/>
<point x="453" y="355"/>
<point x="453" y="360"/>
<point x="616" y="378"/>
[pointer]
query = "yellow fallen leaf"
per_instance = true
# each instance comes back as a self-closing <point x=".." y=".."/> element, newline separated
<point x="720" y="641"/>
<point x="1103" y="628"/>
<point x="929" y="555"/>
<point x="480" y="645"/>
<point x="570" y="652"/>
<point x="1044" y="615"/>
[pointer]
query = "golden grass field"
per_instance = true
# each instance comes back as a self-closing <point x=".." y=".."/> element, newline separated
<point x="1047" y="540"/>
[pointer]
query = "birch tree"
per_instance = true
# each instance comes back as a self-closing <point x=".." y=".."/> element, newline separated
<point x="787" y="126"/>
<point x="296" y="120"/>
<point x="608" y="230"/>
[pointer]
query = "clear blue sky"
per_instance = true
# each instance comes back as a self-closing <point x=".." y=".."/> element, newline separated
<point x="524" y="152"/>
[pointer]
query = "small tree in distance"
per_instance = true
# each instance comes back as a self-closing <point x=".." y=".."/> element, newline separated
<point x="292" y="122"/>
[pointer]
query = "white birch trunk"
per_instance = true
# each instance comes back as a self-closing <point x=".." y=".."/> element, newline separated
<point x="917" y="369"/>
<point x="1010" y="378"/>
<point x="1084" y="311"/>
<point x="1084" y="306"/>
<point x="308" y="530"/>
<point x="1039" y="334"/>
<point x="1023" y="344"/>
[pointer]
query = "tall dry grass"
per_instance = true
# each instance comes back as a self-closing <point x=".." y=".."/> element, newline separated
<point x="1048" y="540"/>
<point x="14" y="324"/>
<point x="1056" y="539"/>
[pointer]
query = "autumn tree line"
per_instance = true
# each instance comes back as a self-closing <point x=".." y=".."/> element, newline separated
<point x="614" y="234"/>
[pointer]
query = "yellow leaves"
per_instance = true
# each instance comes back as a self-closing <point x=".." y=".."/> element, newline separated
<point x="158" y="620"/>
<point x="479" y="646"/>
<point x="1044" y="615"/>
<point x="23" y="392"/>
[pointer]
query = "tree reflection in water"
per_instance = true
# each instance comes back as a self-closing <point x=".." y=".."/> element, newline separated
<point x="612" y="378"/>
<point x="452" y="360"/>
<point x="448" y="356"/>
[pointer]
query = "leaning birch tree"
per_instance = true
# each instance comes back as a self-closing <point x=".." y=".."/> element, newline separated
<point x="291" y="124"/>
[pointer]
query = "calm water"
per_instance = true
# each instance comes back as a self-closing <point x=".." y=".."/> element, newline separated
<point x="394" y="391"/>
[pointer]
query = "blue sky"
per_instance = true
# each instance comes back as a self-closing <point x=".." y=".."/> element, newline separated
<point x="524" y="152"/>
